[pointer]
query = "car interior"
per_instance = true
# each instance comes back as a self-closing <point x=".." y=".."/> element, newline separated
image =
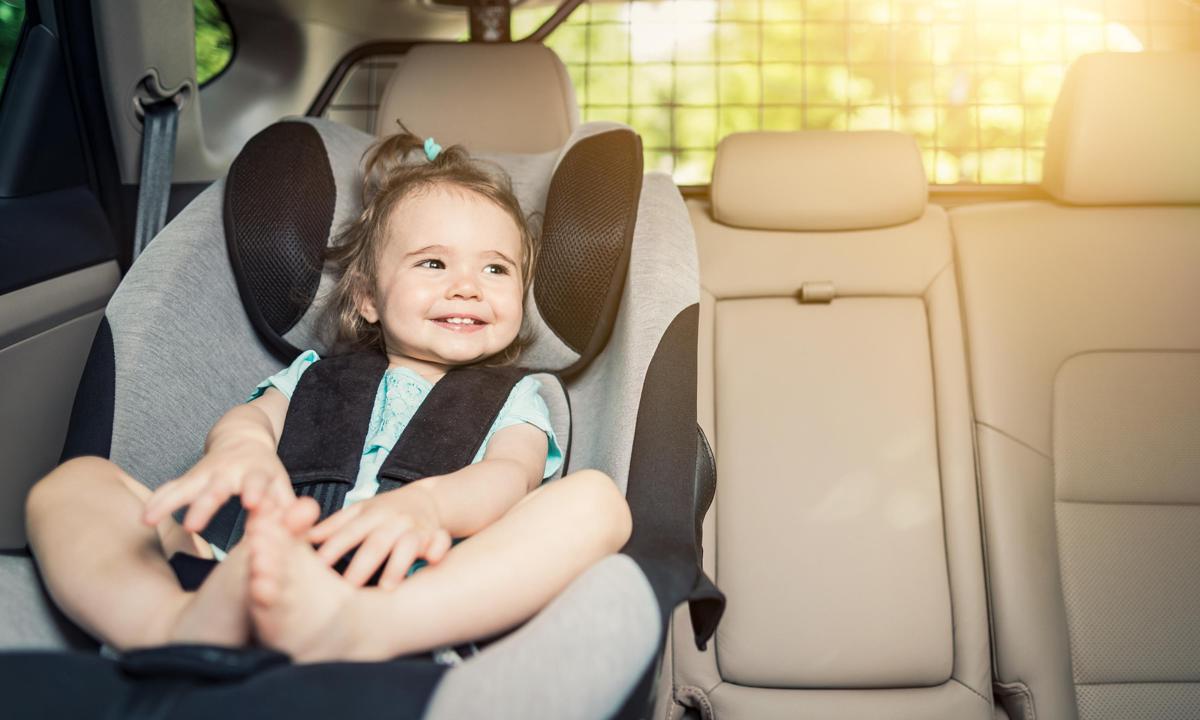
<point x="882" y="313"/>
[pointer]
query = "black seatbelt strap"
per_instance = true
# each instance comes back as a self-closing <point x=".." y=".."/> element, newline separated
<point x="159" y="125"/>
<point x="450" y="425"/>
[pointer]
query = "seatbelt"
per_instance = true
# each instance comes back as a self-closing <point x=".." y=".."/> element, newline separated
<point x="159" y="124"/>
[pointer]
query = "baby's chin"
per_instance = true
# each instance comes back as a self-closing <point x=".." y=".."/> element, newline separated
<point x="455" y="357"/>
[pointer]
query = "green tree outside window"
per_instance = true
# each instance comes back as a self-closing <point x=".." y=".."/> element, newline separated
<point x="12" y="13"/>
<point x="214" y="40"/>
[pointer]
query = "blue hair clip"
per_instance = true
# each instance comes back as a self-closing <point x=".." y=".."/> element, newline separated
<point x="432" y="148"/>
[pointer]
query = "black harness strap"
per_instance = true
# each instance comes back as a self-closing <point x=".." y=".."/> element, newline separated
<point x="330" y="414"/>
<point x="322" y="438"/>
<point x="450" y="425"/>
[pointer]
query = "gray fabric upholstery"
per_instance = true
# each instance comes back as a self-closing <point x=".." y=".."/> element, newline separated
<point x="31" y="622"/>
<point x="604" y="628"/>
<point x="185" y="351"/>
<point x="603" y="432"/>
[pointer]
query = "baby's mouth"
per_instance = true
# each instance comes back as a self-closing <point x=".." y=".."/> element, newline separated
<point x="460" y="323"/>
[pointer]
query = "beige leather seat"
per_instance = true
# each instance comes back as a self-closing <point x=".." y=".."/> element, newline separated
<point x="510" y="98"/>
<point x="845" y="528"/>
<point x="1083" y="323"/>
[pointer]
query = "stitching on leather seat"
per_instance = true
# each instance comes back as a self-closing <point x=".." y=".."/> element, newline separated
<point x="1020" y="692"/>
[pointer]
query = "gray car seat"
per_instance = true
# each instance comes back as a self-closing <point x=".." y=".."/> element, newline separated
<point x="207" y="311"/>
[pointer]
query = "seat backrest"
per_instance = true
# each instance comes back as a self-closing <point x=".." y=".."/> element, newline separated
<point x="1084" y="351"/>
<point x="833" y="387"/>
<point x="497" y="97"/>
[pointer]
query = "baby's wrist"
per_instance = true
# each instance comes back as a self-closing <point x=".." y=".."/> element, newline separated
<point x="427" y="501"/>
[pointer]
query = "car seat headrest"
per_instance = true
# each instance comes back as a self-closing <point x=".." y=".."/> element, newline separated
<point x="818" y="180"/>
<point x="501" y="97"/>
<point x="1123" y="131"/>
<point x="279" y="204"/>
<point x="296" y="184"/>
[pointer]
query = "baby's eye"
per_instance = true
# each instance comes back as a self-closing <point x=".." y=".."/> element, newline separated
<point x="496" y="269"/>
<point x="432" y="264"/>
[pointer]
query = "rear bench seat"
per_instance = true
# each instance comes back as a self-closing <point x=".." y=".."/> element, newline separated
<point x="1083" y="323"/>
<point x="833" y="386"/>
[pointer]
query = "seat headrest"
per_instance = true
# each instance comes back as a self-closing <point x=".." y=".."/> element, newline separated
<point x="1125" y="131"/>
<point x="818" y="180"/>
<point x="295" y="185"/>
<point x="510" y="97"/>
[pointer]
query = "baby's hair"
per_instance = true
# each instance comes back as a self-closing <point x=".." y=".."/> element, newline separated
<point x="387" y="181"/>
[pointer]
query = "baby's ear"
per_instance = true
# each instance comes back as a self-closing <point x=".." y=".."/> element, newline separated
<point x="366" y="308"/>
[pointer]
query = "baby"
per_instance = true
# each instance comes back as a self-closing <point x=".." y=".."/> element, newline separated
<point x="433" y="276"/>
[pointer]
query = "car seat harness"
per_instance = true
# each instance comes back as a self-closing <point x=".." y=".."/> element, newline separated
<point x="327" y="423"/>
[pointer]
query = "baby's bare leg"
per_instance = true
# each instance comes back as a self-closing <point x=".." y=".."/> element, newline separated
<point x="108" y="571"/>
<point x="489" y="583"/>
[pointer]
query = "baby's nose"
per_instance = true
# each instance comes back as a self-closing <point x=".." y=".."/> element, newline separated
<point x="464" y="286"/>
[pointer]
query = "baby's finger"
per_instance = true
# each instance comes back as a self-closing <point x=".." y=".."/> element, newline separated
<point x="205" y="506"/>
<point x="404" y="552"/>
<point x="254" y="488"/>
<point x="325" y="529"/>
<point x="280" y="488"/>
<point x="344" y="540"/>
<point x="173" y="495"/>
<point x="439" y="545"/>
<point x="370" y="555"/>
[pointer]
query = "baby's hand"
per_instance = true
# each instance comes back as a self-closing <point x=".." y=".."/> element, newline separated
<point x="247" y="468"/>
<point x="397" y="527"/>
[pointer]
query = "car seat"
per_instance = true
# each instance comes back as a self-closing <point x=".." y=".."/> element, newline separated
<point x="210" y="308"/>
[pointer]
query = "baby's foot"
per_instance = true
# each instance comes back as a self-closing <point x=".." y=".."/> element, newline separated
<point x="216" y="613"/>
<point x="297" y="603"/>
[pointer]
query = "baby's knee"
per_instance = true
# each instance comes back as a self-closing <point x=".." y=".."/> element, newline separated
<point x="604" y="505"/>
<point x="67" y="481"/>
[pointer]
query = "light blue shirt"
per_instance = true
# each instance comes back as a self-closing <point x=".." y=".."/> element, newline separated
<point x="401" y="392"/>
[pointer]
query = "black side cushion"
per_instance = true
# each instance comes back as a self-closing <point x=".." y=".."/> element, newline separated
<point x="587" y="235"/>
<point x="663" y="482"/>
<point x="89" y="431"/>
<point x="279" y="202"/>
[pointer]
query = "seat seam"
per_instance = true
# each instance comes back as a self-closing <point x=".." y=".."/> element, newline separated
<point x="974" y="692"/>
<point x="685" y="695"/>
<point x="1149" y="503"/>
<point x="1018" y="441"/>
<point x="1021" y="690"/>
<point x="949" y="264"/>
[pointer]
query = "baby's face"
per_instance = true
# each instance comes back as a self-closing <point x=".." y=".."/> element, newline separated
<point x="449" y="285"/>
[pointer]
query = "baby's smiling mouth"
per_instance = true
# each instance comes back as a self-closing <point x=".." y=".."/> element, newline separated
<point x="460" y="323"/>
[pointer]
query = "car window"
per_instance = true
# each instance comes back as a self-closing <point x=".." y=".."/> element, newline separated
<point x="214" y="40"/>
<point x="973" y="81"/>
<point x="12" y="14"/>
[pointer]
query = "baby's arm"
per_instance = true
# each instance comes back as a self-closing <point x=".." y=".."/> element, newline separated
<point x="419" y="519"/>
<point x="240" y="458"/>
<point x="472" y="498"/>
